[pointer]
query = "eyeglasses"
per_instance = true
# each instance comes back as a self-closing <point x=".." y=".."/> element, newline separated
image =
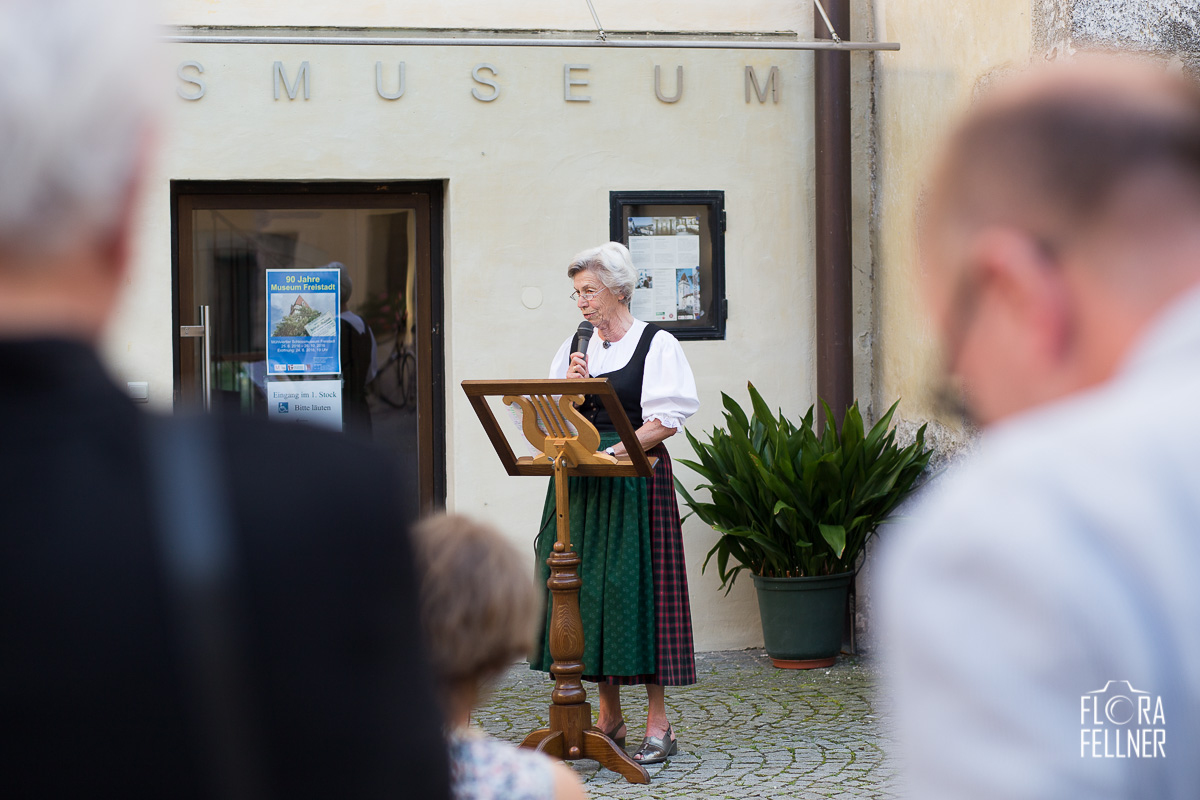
<point x="587" y="296"/>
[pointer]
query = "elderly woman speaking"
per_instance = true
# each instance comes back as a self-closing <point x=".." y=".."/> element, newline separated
<point x="634" y="600"/>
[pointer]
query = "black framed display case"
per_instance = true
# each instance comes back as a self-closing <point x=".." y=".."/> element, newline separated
<point x="677" y="240"/>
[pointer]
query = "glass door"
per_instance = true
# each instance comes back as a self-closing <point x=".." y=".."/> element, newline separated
<point x="377" y="247"/>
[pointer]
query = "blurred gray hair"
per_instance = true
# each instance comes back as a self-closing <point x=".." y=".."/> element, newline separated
<point x="78" y="85"/>
<point x="612" y="264"/>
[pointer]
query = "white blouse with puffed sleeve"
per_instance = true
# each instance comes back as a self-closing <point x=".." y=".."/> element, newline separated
<point x="668" y="387"/>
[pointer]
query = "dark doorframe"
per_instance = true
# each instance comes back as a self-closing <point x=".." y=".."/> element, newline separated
<point x="426" y="198"/>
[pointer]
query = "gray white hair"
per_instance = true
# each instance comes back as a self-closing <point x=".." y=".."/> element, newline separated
<point x="612" y="265"/>
<point x="78" y="86"/>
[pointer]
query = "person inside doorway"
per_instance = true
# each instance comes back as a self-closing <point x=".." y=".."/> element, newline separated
<point x="359" y="365"/>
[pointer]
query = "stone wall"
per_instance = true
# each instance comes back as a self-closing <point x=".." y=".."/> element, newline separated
<point x="1169" y="28"/>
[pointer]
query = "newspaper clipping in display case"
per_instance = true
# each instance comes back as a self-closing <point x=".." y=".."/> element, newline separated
<point x="666" y="255"/>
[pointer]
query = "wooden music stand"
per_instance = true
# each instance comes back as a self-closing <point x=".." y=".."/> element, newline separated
<point x="552" y="404"/>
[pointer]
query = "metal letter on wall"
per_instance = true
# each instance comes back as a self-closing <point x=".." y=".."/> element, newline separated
<point x="379" y="82"/>
<point x="197" y="81"/>
<point x="486" y="81"/>
<point x="678" y="85"/>
<point x="772" y="85"/>
<point x="292" y="88"/>
<point x="569" y="81"/>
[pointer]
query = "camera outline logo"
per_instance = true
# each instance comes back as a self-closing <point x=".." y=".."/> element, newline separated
<point x="1119" y="721"/>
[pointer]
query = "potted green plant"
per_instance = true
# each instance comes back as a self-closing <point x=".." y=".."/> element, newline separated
<point x="796" y="508"/>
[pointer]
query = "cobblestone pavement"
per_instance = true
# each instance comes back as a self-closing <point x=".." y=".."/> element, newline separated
<point x="746" y="729"/>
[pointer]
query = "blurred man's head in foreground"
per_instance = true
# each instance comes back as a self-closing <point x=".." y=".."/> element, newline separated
<point x="77" y="100"/>
<point x="1063" y="216"/>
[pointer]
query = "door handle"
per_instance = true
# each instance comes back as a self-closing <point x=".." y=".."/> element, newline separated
<point x="203" y="332"/>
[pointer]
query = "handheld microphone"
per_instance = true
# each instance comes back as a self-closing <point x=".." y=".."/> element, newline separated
<point x="582" y="337"/>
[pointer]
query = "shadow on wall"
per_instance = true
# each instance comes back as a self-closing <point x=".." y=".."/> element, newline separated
<point x="950" y="447"/>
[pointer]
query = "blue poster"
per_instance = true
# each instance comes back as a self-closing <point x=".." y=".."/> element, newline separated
<point x="302" y="322"/>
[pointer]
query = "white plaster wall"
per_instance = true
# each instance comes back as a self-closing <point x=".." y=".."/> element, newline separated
<point x="528" y="177"/>
<point x="946" y="49"/>
<point x="919" y="91"/>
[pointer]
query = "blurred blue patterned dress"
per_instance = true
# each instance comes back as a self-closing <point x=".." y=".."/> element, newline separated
<point x="482" y="768"/>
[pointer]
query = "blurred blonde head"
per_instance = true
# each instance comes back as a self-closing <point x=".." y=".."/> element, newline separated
<point x="479" y="605"/>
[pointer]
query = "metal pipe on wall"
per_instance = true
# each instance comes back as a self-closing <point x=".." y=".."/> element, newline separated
<point x="664" y="42"/>
<point x="831" y="76"/>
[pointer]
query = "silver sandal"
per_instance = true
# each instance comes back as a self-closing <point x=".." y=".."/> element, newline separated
<point x="657" y="749"/>
<point x="619" y="741"/>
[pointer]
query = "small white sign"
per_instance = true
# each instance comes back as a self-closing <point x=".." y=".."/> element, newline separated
<point x="324" y="325"/>
<point x="316" y="403"/>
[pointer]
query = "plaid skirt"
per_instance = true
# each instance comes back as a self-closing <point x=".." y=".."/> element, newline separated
<point x="673" y="655"/>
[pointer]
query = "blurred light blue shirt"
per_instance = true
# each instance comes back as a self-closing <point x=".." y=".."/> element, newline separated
<point x="1039" y="591"/>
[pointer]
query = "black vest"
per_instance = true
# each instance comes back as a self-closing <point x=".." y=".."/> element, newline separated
<point x="628" y="382"/>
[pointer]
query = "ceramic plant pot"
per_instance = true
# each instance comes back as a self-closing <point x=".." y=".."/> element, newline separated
<point x="802" y="618"/>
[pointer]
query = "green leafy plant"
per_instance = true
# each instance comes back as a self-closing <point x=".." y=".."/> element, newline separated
<point x="789" y="502"/>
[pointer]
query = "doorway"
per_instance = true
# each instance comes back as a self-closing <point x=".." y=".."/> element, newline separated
<point x="384" y="240"/>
